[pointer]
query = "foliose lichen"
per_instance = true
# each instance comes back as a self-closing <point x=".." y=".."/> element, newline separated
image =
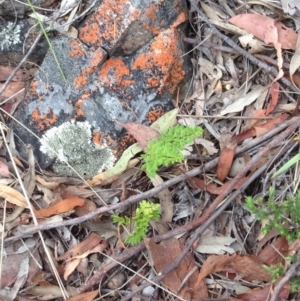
<point x="71" y="143"/>
<point x="10" y="35"/>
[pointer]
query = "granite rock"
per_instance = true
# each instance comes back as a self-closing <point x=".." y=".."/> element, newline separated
<point x="129" y="72"/>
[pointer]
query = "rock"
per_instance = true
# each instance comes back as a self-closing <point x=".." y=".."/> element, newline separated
<point x="122" y="27"/>
<point x="17" y="37"/>
<point x="136" y="83"/>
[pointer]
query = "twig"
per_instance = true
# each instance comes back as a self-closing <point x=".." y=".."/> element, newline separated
<point x="24" y="59"/>
<point x="215" y="46"/>
<point x="291" y="272"/>
<point x="249" y="56"/>
<point x="152" y="192"/>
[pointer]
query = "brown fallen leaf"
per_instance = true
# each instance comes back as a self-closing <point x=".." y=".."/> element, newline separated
<point x="274" y="252"/>
<point x="4" y="171"/>
<point x="213" y="188"/>
<point x="248" y="266"/>
<point x="89" y="296"/>
<point x="263" y="294"/>
<point x="142" y="133"/>
<point x="257" y="25"/>
<point x="225" y="160"/>
<point x="74" y="262"/>
<point x="88" y="244"/>
<point x="164" y="254"/>
<point x="21" y="75"/>
<point x="274" y="92"/>
<point x="13" y="196"/>
<point x="12" y="89"/>
<point x="63" y="206"/>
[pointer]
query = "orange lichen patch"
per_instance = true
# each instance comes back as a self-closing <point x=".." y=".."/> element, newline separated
<point x="33" y="87"/>
<point x="76" y="49"/>
<point x="128" y="139"/>
<point x="153" y="115"/>
<point x="80" y="81"/>
<point x="98" y="57"/>
<point x="108" y="23"/>
<point x="79" y="103"/>
<point x="115" y="72"/>
<point x="97" y="138"/>
<point x="151" y="11"/>
<point x="182" y="17"/>
<point x="153" y="29"/>
<point x="164" y="59"/>
<point x="43" y="121"/>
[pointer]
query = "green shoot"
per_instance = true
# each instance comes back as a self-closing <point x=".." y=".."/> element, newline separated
<point x="284" y="216"/>
<point x="47" y="39"/>
<point x="167" y="148"/>
<point x="287" y="165"/>
<point x="145" y="213"/>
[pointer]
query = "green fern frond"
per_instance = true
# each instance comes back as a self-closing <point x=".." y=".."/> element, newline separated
<point x="145" y="213"/>
<point x="166" y="149"/>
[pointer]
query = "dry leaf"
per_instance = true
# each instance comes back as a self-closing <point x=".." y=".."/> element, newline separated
<point x="89" y="296"/>
<point x="21" y="75"/>
<point x="247" y="266"/>
<point x="163" y="254"/>
<point x="240" y="103"/>
<point x="225" y="160"/>
<point x="88" y="244"/>
<point x="263" y="294"/>
<point x="215" y="245"/>
<point x="13" y="196"/>
<point x="213" y="188"/>
<point x="295" y="61"/>
<point x="4" y="171"/>
<point x="257" y="25"/>
<point x="165" y="197"/>
<point x="63" y="206"/>
<point x="142" y="133"/>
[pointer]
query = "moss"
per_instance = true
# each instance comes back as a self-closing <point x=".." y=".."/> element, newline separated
<point x="72" y="143"/>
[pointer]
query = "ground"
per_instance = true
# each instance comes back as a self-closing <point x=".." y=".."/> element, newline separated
<point x="218" y="223"/>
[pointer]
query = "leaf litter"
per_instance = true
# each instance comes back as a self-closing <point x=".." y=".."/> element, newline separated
<point x="67" y="247"/>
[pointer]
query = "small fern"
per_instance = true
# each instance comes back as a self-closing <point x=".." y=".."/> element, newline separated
<point x="145" y="213"/>
<point x="166" y="149"/>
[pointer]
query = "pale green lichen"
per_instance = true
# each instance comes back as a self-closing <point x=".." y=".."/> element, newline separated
<point x="10" y="35"/>
<point x="71" y="142"/>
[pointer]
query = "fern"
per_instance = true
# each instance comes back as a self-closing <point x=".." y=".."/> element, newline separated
<point x="166" y="149"/>
<point x="145" y="213"/>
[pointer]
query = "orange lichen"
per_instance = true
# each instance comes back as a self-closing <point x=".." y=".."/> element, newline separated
<point x="76" y="49"/>
<point x="97" y="58"/>
<point x="151" y="11"/>
<point x="153" y="115"/>
<point x="80" y="81"/>
<point x="115" y="72"/>
<point x="165" y="58"/>
<point x="33" y="87"/>
<point x="108" y="23"/>
<point x="182" y="17"/>
<point x="79" y="103"/>
<point x="43" y="121"/>
<point x="97" y="138"/>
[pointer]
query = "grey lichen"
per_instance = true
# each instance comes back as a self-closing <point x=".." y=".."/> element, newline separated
<point x="10" y="35"/>
<point x="71" y="142"/>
